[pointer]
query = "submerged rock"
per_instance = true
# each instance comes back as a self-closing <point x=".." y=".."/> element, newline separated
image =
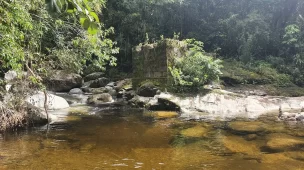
<point x="79" y="110"/>
<point x="297" y="155"/>
<point x="162" y="114"/>
<point x="247" y="127"/>
<point x="283" y="142"/>
<point x="195" y="132"/>
<point x="237" y="144"/>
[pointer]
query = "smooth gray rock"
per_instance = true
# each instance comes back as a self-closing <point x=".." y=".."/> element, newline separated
<point x="76" y="91"/>
<point x="54" y="102"/>
<point x="62" y="81"/>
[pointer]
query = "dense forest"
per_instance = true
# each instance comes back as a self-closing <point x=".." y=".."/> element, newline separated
<point x="258" y="42"/>
<point x="259" y="33"/>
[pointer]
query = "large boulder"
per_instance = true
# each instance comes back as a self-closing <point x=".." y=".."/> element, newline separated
<point x="53" y="102"/>
<point x="93" y="76"/>
<point x="100" y="82"/>
<point x="147" y="90"/>
<point x="62" y="81"/>
<point x="100" y="99"/>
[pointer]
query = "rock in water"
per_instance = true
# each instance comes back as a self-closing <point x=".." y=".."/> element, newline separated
<point x="147" y="90"/>
<point x="76" y="91"/>
<point x="54" y="102"/>
<point x="165" y="104"/>
<point x="100" y="99"/>
<point x="62" y="81"/>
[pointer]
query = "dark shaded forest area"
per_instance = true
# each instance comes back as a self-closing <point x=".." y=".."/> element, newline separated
<point x="259" y="33"/>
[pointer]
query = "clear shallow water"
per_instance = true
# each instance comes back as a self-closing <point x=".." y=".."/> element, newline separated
<point x="126" y="139"/>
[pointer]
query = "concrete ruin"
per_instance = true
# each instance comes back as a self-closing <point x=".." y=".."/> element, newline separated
<point x="151" y="62"/>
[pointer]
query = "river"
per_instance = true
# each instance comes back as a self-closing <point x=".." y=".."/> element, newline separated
<point x="124" y="139"/>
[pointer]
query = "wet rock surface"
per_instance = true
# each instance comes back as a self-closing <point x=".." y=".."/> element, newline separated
<point x="100" y="99"/>
<point x="76" y="91"/>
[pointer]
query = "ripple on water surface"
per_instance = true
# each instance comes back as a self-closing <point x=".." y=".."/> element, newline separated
<point x="128" y="139"/>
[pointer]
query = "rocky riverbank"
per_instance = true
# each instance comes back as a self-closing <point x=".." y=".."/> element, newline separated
<point x="99" y="91"/>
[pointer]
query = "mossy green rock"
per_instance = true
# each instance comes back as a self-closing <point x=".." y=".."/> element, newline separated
<point x="147" y="90"/>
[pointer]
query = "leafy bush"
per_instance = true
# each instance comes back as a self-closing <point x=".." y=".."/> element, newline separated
<point x="196" y="68"/>
<point x="259" y="72"/>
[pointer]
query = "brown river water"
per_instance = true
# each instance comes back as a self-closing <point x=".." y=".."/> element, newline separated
<point x="130" y="139"/>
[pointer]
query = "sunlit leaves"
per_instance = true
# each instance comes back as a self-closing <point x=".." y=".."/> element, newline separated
<point x="82" y="8"/>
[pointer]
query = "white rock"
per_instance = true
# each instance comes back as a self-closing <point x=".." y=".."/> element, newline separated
<point x="10" y="75"/>
<point x="54" y="102"/>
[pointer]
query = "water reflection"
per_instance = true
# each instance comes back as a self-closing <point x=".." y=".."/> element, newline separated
<point x="129" y="139"/>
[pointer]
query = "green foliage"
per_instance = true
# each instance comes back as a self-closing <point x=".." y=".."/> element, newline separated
<point x="31" y="36"/>
<point x="292" y="34"/>
<point x="196" y="68"/>
<point x="258" y="73"/>
<point x="243" y="30"/>
<point x="82" y="8"/>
